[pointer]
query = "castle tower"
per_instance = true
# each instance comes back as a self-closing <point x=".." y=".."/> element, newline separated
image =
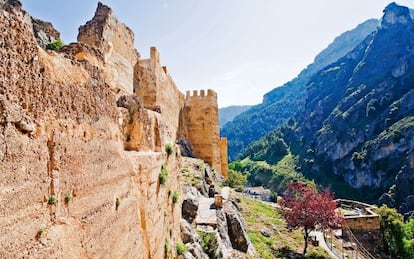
<point x="200" y="126"/>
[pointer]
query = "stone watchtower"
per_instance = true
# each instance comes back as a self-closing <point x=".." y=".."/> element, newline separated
<point x="191" y="117"/>
<point x="200" y="126"/>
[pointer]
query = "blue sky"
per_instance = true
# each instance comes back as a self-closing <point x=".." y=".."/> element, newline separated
<point x="240" y="48"/>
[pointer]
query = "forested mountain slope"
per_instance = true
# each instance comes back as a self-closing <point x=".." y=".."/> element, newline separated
<point x="283" y="102"/>
<point x="357" y="124"/>
<point x="228" y="113"/>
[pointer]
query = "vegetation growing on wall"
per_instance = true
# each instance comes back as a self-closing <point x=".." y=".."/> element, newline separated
<point x="55" y="45"/>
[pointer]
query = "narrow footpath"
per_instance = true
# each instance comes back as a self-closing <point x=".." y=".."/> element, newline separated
<point x="322" y="243"/>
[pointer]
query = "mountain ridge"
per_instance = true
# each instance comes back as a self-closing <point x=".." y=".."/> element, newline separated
<point x="284" y="101"/>
<point x="228" y="113"/>
<point x="357" y="124"/>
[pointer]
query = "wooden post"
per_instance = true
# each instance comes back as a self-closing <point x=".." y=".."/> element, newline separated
<point x="218" y="201"/>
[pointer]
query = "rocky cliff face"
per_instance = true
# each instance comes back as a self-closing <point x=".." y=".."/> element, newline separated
<point x="358" y="119"/>
<point x="355" y="131"/>
<point x="81" y="162"/>
<point x="285" y="101"/>
<point x="68" y="187"/>
<point x="116" y="41"/>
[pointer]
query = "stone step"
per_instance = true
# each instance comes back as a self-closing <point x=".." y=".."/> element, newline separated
<point x="206" y="214"/>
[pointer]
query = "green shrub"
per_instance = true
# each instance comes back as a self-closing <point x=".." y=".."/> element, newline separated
<point x="52" y="200"/>
<point x="273" y="197"/>
<point x="55" y="45"/>
<point x="392" y="228"/>
<point x="40" y="232"/>
<point x="169" y="148"/>
<point x="235" y="179"/>
<point x="175" y="197"/>
<point x="68" y="197"/>
<point x="117" y="203"/>
<point x="208" y="242"/>
<point x="408" y="239"/>
<point x="181" y="248"/>
<point x="316" y="255"/>
<point x="269" y="242"/>
<point x="185" y="170"/>
<point x="162" y="177"/>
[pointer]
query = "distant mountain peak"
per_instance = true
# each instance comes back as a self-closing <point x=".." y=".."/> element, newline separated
<point x="283" y="102"/>
<point x="395" y="14"/>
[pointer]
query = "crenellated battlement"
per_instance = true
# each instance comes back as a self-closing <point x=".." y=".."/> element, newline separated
<point x="200" y="126"/>
<point x="197" y="111"/>
<point x="200" y="94"/>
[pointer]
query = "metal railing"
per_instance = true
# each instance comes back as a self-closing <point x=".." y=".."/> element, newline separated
<point x="360" y="249"/>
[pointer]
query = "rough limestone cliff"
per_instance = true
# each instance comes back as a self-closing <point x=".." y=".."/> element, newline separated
<point x="82" y="148"/>
<point x="357" y="124"/>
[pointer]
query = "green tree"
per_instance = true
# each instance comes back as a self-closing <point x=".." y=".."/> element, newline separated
<point x="392" y="229"/>
<point x="235" y="179"/>
<point x="408" y="239"/>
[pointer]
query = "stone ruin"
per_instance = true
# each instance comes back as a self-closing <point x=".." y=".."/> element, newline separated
<point x="83" y="132"/>
<point x="168" y="114"/>
<point x="361" y="228"/>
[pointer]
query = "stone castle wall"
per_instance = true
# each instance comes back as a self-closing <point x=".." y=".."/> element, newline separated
<point x="199" y="125"/>
<point x="224" y="157"/>
<point x="364" y="219"/>
<point x="363" y="223"/>
<point x="194" y="118"/>
<point x="70" y="124"/>
<point x="158" y="92"/>
<point x="60" y="135"/>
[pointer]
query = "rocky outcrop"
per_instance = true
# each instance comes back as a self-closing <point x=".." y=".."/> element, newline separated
<point x="357" y="124"/>
<point x="237" y="233"/>
<point x="395" y="14"/>
<point x="44" y="32"/>
<point x="116" y="41"/>
<point x="189" y="209"/>
<point x="219" y="230"/>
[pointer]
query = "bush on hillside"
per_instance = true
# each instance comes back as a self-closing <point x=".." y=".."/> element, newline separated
<point x="235" y="179"/>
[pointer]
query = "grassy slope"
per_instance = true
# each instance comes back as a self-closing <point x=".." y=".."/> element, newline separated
<point x="258" y="215"/>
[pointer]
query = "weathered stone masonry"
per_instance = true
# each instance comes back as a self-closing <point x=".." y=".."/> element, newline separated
<point x="70" y="124"/>
<point x="194" y="118"/>
<point x="196" y="115"/>
<point x="199" y="120"/>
